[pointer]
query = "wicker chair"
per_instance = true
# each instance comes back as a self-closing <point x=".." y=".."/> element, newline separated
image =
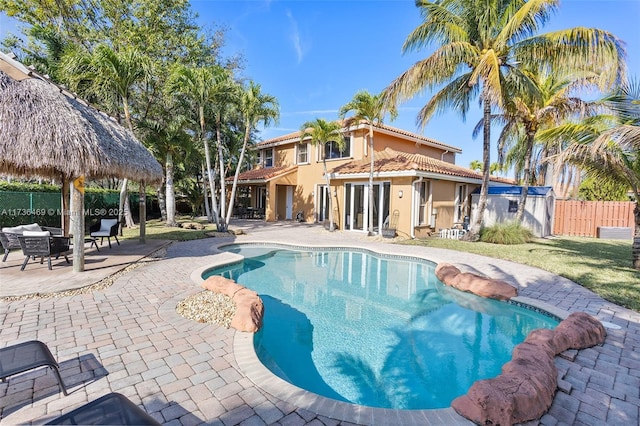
<point x="9" y="241"/>
<point x="43" y="246"/>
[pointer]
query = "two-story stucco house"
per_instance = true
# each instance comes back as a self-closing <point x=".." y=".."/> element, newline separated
<point x="417" y="186"/>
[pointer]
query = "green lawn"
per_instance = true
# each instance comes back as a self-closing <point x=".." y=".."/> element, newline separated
<point x="156" y="229"/>
<point x="603" y="266"/>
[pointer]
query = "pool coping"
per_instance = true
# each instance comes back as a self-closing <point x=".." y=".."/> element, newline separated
<point x="263" y="378"/>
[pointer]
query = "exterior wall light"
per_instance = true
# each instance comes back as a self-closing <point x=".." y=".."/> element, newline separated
<point x="400" y="194"/>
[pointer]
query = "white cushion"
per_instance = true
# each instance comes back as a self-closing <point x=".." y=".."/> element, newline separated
<point x="36" y="233"/>
<point x="106" y="224"/>
<point x="32" y="227"/>
<point x="13" y="229"/>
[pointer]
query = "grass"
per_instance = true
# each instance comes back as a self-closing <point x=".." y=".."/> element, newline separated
<point x="156" y="229"/>
<point x="603" y="266"/>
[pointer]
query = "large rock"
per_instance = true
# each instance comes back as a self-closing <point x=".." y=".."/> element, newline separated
<point x="222" y="285"/>
<point x="249" y="306"/>
<point x="525" y="389"/>
<point x="249" y="311"/>
<point x="472" y="283"/>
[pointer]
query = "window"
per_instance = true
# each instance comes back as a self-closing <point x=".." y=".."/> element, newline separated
<point x="461" y="203"/>
<point x="424" y="217"/>
<point x="267" y="157"/>
<point x="302" y="153"/>
<point x="331" y="150"/>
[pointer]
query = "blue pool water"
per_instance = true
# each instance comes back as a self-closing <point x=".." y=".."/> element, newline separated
<point x="375" y="330"/>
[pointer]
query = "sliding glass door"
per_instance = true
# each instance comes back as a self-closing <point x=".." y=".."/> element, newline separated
<point x="356" y="211"/>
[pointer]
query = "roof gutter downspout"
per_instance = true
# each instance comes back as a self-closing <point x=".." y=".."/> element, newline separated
<point x="443" y="154"/>
<point x="413" y="206"/>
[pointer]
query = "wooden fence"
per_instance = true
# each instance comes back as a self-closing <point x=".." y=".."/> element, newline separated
<point x="582" y="218"/>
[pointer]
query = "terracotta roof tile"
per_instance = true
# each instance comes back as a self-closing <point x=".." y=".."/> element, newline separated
<point x="390" y="160"/>
<point x="265" y="173"/>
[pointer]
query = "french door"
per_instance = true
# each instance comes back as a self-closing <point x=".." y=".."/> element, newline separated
<point x="356" y="211"/>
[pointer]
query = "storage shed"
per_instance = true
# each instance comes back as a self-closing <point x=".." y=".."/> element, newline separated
<point x="502" y="206"/>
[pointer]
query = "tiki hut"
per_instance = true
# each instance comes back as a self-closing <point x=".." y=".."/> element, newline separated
<point x="46" y="131"/>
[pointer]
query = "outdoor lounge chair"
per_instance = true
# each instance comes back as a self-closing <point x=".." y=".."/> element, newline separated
<point x="26" y="356"/>
<point x="110" y="409"/>
<point x="42" y="244"/>
<point x="105" y="228"/>
<point x="9" y="242"/>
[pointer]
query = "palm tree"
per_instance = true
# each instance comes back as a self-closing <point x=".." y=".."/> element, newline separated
<point x="369" y="108"/>
<point x="547" y="104"/>
<point x="256" y="107"/>
<point x="476" y="165"/>
<point x="608" y="147"/>
<point x="109" y="76"/>
<point x="320" y="133"/>
<point x="479" y="44"/>
<point x="198" y="85"/>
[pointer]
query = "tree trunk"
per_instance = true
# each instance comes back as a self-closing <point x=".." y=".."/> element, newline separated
<point x="124" y="195"/>
<point x="171" y="194"/>
<point x="223" y="185"/>
<point x="142" y="213"/>
<point x="247" y="134"/>
<point x="525" y="178"/>
<point x="128" y="217"/>
<point x="77" y="204"/>
<point x="160" y="189"/>
<point x="326" y="175"/>
<point x="474" y="231"/>
<point x="207" y="210"/>
<point x="212" y="184"/>
<point x="371" y="170"/>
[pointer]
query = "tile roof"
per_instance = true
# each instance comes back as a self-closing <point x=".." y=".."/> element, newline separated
<point x="295" y="137"/>
<point x="265" y="173"/>
<point x="390" y="160"/>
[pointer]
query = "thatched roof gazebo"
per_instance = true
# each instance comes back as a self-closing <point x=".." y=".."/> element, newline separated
<point x="46" y="131"/>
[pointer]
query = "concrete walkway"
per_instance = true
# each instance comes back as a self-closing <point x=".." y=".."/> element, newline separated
<point x="128" y="338"/>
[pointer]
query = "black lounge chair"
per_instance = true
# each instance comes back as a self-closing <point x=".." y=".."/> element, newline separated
<point x="43" y="246"/>
<point x="26" y="356"/>
<point x="105" y="228"/>
<point x="111" y="409"/>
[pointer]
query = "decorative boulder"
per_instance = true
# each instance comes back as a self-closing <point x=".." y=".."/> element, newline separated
<point x="249" y="307"/>
<point x="526" y="387"/>
<point x="222" y="285"/>
<point x="472" y="283"/>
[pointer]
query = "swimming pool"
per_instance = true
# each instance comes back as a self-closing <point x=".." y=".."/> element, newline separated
<point x="374" y="330"/>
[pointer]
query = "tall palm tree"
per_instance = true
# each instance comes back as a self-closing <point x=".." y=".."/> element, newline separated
<point x="256" y="107"/>
<point x="479" y="43"/>
<point x="108" y="76"/>
<point x="198" y="85"/>
<point x="608" y="147"/>
<point x="547" y="103"/>
<point x="369" y="108"/>
<point x="320" y="132"/>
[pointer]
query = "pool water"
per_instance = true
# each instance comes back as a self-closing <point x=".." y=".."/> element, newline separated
<point x="374" y="330"/>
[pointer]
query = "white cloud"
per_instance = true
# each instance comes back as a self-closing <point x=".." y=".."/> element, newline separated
<point x="295" y="37"/>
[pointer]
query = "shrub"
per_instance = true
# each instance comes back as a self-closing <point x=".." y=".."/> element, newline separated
<point x="506" y="233"/>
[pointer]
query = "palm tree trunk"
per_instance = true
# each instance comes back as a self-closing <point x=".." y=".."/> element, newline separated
<point x="162" y="202"/>
<point x="223" y="185"/>
<point x="326" y="175"/>
<point x="525" y="178"/>
<point x="207" y="156"/>
<point x="371" y="170"/>
<point x="207" y="210"/>
<point x="247" y="134"/>
<point x="124" y="191"/>
<point x="474" y="232"/>
<point x="170" y="191"/>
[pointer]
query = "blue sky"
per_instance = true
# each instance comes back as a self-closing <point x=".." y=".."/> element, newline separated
<point x="315" y="55"/>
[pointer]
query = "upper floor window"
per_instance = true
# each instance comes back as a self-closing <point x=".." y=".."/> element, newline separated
<point x="331" y="149"/>
<point x="267" y="157"/>
<point x="302" y="153"/>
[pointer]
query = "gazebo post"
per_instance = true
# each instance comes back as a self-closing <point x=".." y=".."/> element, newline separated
<point x="142" y="211"/>
<point x="64" y="222"/>
<point x="77" y="194"/>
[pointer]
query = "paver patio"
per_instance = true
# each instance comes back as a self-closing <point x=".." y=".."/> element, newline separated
<point x="128" y="338"/>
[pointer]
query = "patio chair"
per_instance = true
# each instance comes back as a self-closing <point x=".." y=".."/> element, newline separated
<point x="26" y="356"/>
<point x="111" y="409"/>
<point x="42" y="244"/>
<point x="105" y="228"/>
<point x="9" y="242"/>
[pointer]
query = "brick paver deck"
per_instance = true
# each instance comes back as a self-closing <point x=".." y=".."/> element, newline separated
<point x="129" y="339"/>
